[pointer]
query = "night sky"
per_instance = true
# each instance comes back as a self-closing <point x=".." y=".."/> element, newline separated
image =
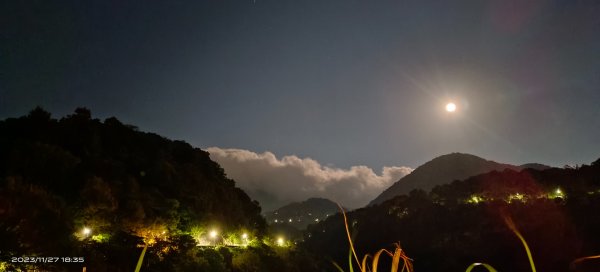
<point x="343" y="82"/>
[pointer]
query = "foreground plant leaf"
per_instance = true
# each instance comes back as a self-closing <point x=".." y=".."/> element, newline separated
<point x="511" y="225"/>
<point x="487" y="266"/>
<point x="141" y="259"/>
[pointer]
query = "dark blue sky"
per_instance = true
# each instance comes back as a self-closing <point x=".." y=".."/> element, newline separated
<point x="343" y="82"/>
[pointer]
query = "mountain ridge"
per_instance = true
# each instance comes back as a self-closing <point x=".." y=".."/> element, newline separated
<point x="554" y="209"/>
<point x="301" y="214"/>
<point x="440" y="170"/>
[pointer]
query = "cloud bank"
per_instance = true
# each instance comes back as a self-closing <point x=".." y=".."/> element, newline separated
<point x="275" y="182"/>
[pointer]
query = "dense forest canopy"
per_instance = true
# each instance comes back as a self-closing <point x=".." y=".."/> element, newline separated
<point x="463" y="222"/>
<point x="79" y="180"/>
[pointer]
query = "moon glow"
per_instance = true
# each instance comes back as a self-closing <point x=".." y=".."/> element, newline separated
<point x="450" y="107"/>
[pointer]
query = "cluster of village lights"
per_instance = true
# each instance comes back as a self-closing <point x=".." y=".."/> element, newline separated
<point x="557" y="193"/>
<point x="213" y="235"/>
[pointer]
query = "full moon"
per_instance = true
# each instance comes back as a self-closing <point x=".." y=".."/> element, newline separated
<point x="450" y="107"/>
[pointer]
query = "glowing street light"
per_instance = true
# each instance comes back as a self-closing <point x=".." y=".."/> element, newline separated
<point x="213" y="236"/>
<point x="280" y="241"/>
<point x="558" y="193"/>
<point x="86" y="231"/>
<point x="245" y="236"/>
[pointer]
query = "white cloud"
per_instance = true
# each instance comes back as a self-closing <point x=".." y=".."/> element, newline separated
<point x="275" y="182"/>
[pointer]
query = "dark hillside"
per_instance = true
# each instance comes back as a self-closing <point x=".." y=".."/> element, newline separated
<point x="58" y="177"/>
<point x="301" y="214"/>
<point x="460" y="223"/>
<point x="441" y="170"/>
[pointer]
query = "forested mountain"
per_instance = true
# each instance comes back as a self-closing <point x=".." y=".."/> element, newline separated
<point x="302" y="214"/>
<point x="441" y="170"/>
<point x="78" y="180"/>
<point x="463" y="222"/>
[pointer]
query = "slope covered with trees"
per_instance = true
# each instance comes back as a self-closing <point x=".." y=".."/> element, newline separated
<point x="441" y="170"/>
<point x="463" y="222"/>
<point x="79" y="186"/>
<point x="302" y="214"/>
